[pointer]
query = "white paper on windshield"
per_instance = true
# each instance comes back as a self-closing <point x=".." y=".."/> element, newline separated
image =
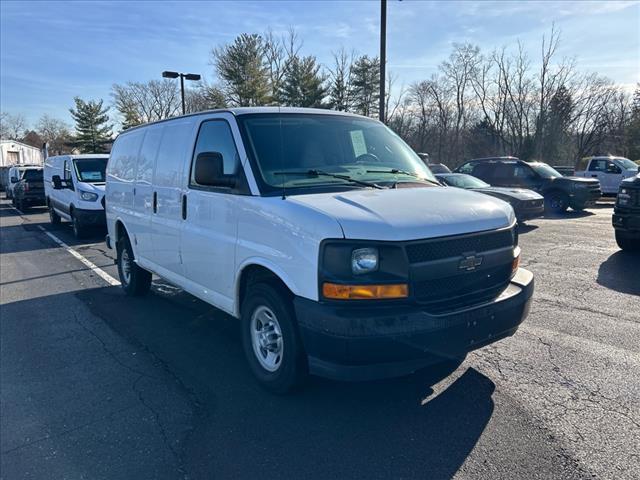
<point x="92" y="175"/>
<point x="357" y="140"/>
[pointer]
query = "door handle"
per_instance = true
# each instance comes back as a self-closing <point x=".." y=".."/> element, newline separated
<point x="155" y="202"/>
<point x="594" y="176"/>
<point x="184" y="206"/>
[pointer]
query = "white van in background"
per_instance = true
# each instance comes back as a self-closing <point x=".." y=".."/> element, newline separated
<point x="609" y="170"/>
<point x="323" y="232"/>
<point x="74" y="190"/>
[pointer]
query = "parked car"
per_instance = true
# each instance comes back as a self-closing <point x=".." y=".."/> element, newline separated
<point x="14" y="175"/>
<point x="29" y="191"/>
<point x="74" y="190"/>
<point x="527" y="204"/>
<point x="559" y="192"/>
<point x="323" y="233"/>
<point x="610" y="171"/>
<point x="438" y="168"/>
<point x="626" y="214"/>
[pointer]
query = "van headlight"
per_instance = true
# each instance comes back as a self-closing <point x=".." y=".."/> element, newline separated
<point x="364" y="260"/>
<point x="88" y="196"/>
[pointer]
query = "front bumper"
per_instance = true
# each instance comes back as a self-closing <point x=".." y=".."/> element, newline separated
<point x="584" y="197"/>
<point x="527" y="212"/>
<point x="90" y="217"/>
<point x="354" y="342"/>
<point x="34" y="198"/>
<point x="628" y="222"/>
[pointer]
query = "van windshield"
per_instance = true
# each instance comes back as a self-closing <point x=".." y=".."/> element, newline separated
<point x="545" y="170"/>
<point x="290" y="150"/>
<point x="91" y="170"/>
<point x="628" y="164"/>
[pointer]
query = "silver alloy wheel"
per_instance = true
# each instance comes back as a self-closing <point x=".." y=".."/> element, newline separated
<point x="125" y="265"/>
<point x="266" y="338"/>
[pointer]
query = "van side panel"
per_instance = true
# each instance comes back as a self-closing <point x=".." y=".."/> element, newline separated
<point x="121" y="171"/>
<point x="140" y="220"/>
<point x="169" y="181"/>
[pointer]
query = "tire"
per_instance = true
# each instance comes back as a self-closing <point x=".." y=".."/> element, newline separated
<point x="626" y="243"/>
<point x="54" y="218"/>
<point x="136" y="281"/>
<point x="280" y="366"/>
<point x="79" y="230"/>
<point x="20" y="205"/>
<point x="556" y="202"/>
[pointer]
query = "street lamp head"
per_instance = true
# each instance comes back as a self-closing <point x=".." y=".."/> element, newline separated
<point x="192" y="76"/>
<point x="167" y="74"/>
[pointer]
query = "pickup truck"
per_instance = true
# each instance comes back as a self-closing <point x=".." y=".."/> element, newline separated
<point x="609" y="171"/>
<point x="626" y="214"/>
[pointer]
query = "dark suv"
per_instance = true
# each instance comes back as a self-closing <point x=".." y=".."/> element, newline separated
<point x="626" y="214"/>
<point x="559" y="192"/>
<point x="29" y="190"/>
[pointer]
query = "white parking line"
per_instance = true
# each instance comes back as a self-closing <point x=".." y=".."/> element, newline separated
<point x="92" y="266"/>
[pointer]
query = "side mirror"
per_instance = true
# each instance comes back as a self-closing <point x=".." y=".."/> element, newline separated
<point x="14" y="179"/>
<point x="209" y="171"/>
<point x="57" y="182"/>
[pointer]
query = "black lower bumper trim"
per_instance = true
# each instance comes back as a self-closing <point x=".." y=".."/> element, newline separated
<point x="90" y="217"/>
<point x="363" y="343"/>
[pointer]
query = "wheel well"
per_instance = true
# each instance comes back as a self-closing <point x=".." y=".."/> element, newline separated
<point x="120" y="231"/>
<point x="253" y="274"/>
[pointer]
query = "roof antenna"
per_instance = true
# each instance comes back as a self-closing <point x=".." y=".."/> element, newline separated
<point x="284" y="196"/>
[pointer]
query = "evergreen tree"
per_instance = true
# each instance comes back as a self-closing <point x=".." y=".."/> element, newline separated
<point x="303" y="84"/>
<point x="340" y="82"/>
<point x="92" y="130"/>
<point x="557" y="127"/>
<point x="242" y="69"/>
<point x="365" y="85"/>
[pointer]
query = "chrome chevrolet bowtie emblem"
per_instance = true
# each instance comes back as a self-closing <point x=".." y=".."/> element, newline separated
<point x="470" y="262"/>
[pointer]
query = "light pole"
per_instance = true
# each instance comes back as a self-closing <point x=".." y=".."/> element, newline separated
<point x="188" y="76"/>
<point x="383" y="55"/>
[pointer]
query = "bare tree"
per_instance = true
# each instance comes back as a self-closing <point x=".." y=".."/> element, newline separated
<point x="340" y="81"/>
<point x="56" y="133"/>
<point x="146" y="102"/>
<point x="12" y="127"/>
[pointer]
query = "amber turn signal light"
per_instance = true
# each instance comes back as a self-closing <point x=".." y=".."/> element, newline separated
<point x="516" y="262"/>
<point x="363" y="292"/>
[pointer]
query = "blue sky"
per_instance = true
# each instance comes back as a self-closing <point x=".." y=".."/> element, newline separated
<point x="52" y="51"/>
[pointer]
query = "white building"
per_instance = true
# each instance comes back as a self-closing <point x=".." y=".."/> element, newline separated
<point x="18" y="153"/>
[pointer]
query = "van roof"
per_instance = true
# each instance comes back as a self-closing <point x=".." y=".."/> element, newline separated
<point x="84" y="155"/>
<point x="238" y="111"/>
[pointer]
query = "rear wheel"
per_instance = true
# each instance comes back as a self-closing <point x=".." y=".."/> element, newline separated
<point x="556" y="202"/>
<point x="271" y="341"/>
<point x="627" y="243"/>
<point x="135" y="280"/>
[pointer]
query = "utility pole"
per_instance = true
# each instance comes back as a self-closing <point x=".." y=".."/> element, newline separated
<point x="383" y="56"/>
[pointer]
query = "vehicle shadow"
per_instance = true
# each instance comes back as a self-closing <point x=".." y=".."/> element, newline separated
<point x="526" y="227"/>
<point x="568" y="214"/>
<point x="13" y="239"/>
<point x="619" y="272"/>
<point x="382" y="429"/>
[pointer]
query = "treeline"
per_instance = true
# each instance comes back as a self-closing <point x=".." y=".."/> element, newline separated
<point x="476" y="104"/>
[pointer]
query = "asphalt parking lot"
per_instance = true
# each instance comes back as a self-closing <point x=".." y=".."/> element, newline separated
<point x="94" y="384"/>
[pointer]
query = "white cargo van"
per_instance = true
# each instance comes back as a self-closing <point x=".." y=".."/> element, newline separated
<point x="74" y="190"/>
<point x="323" y="233"/>
<point x="609" y="170"/>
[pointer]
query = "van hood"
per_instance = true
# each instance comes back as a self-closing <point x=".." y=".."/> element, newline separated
<point x="410" y="213"/>
<point x="92" y="187"/>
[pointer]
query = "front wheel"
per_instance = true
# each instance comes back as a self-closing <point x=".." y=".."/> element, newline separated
<point x="79" y="230"/>
<point x="135" y="280"/>
<point x="54" y="218"/>
<point x="627" y="243"/>
<point x="556" y="202"/>
<point x="270" y="339"/>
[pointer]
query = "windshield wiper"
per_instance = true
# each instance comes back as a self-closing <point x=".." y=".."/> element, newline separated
<point x="320" y="173"/>
<point x="395" y="171"/>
